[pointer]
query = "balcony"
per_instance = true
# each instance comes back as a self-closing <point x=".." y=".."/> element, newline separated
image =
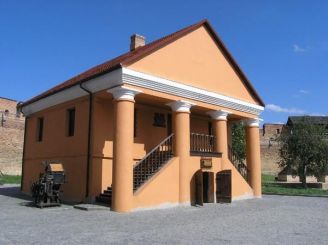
<point x="203" y="145"/>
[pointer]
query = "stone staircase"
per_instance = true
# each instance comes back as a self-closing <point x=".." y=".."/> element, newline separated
<point x="146" y="168"/>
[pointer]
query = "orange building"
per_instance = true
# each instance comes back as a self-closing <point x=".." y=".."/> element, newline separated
<point x="150" y="128"/>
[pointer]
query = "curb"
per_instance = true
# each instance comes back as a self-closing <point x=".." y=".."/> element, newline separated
<point x="293" y="195"/>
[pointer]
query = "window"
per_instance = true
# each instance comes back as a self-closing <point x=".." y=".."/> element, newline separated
<point x="278" y="131"/>
<point x="70" y="122"/>
<point x="159" y="120"/>
<point x="40" y="129"/>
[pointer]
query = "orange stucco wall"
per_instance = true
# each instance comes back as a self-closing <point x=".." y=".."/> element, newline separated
<point x="196" y="60"/>
<point x="72" y="151"/>
<point x="167" y="182"/>
<point x="56" y="145"/>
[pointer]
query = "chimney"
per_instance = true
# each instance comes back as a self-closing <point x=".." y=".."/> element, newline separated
<point x="136" y="41"/>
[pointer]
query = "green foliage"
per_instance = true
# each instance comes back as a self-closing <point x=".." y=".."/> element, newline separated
<point x="303" y="148"/>
<point x="269" y="187"/>
<point x="10" y="179"/>
<point x="238" y="140"/>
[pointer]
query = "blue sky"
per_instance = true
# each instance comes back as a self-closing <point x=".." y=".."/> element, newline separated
<point x="282" y="46"/>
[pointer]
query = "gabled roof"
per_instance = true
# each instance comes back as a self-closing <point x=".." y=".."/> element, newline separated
<point x="318" y="120"/>
<point x="140" y="52"/>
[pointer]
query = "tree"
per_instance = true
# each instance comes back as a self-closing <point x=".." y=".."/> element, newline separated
<point x="238" y="140"/>
<point x="302" y="147"/>
<point x="320" y="169"/>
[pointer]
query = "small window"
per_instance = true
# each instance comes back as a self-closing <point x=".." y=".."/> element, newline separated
<point x="70" y="122"/>
<point x="40" y="129"/>
<point x="159" y="120"/>
<point x="278" y="131"/>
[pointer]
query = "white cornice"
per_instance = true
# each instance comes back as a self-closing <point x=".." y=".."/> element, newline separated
<point x="131" y="77"/>
<point x="100" y="83"/>
<point x="186" y="91"/>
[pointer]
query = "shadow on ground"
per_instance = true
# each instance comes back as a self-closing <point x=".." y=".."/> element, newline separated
<point x="13" y="191"/>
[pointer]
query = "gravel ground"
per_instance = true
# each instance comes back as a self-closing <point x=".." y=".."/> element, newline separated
<point x="270" y="220"/>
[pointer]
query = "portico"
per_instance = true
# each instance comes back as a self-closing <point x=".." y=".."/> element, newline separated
<point x="152" y="126"/>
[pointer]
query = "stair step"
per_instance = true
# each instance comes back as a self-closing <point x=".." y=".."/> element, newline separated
<point x="109" y="195"/>
<point x="109" y="192"/>
<point x="104" y="199"/>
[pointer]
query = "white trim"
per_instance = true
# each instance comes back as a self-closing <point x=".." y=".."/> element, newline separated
<point x="130" y="77"/>
<point x="58" y="98"/>
<point x="100" y="83"/>
<point x="219" y="115"/>
<point x="124" y="93"/>
<point x="175" y="88"/>
<point x="181" y="106"/>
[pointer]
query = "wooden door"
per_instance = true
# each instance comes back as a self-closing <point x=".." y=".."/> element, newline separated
<point x="210" y="187"/>
<point x="223" y="186"/>
<point x="199" y="187"/>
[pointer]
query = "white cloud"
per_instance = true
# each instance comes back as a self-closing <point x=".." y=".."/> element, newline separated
<point x="277" y="108"/>
<point x="298" y="49"/>
<point x="303" y="91"/>
<point x="317" y="114"/>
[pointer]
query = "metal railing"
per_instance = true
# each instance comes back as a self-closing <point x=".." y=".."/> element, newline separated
<point x="238" y="163"/>
<point x="152" y="162"/>
<point x="202" y="143"/>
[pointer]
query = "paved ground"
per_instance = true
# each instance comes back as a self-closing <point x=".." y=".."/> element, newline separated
<point x="270" y="220"/>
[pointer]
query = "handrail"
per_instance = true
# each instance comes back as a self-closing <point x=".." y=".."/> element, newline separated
<point x="238" y="162"/>
<point x="152" y="162"/>
<point x="154" y="149"/>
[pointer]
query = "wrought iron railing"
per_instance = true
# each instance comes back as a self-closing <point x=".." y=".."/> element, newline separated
<point x="238" y="163"/>
<point x="152" y="162"/>
<point x="201" y="143"/>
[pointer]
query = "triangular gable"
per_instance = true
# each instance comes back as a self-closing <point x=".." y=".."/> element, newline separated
<point x="132" y="57"/>
<point x="198" y="58"/>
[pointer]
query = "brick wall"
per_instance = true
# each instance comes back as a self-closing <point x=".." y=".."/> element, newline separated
<point x="11" y="137"/>
<point x="270" y="148"/>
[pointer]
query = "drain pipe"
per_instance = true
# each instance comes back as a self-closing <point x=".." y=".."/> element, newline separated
<point x="19" y="107"/>
<point x="89" y="140"/>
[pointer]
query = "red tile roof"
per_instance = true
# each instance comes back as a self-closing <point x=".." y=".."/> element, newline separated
<point x="132" y="56"/>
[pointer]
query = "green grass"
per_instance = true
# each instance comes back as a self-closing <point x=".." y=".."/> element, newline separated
<point x="269" y="187"/>
<point x="10" y="179"/>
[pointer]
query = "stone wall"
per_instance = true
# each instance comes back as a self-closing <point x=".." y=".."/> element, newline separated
<point x="270" y="148"/>
<point x="11" y="137"/>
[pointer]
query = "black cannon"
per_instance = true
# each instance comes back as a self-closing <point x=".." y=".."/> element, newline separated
<point x="46" y="190"/>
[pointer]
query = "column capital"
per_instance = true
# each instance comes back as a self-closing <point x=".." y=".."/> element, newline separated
<point x="181" y="106"/>
<point x="220" y="115"/>
<point x="253" y="122"/>
<point x="124" y="93"/>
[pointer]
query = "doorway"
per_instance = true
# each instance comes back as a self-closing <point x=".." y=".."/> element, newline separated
<point x="204" y="187"/>
<point x="223" y="186"/>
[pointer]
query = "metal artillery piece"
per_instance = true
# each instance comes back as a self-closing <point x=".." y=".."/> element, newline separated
<point x="46" y="189"/>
